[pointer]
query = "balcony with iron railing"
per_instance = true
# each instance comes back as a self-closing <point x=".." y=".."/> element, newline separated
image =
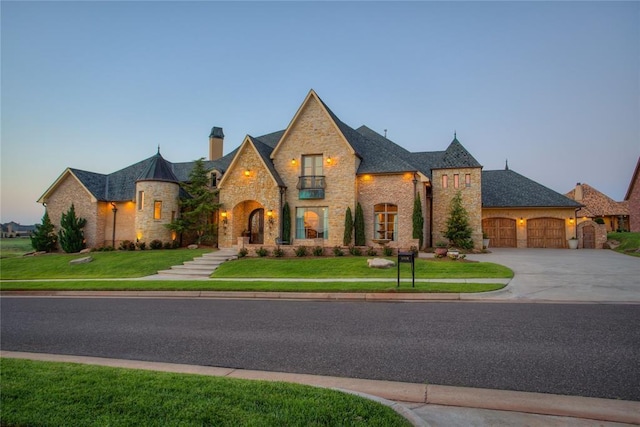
<point x="311" y="187"/>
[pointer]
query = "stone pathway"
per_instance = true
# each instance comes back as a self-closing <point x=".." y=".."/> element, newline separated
<point x="199" y="268"/>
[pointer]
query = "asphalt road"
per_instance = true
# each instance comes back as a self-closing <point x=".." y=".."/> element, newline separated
<point x="576" y="349"/>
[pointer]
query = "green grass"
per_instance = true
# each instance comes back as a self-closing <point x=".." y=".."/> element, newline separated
<point x="14" y="247"/>
<point x="262" y="286"/>
<point x="117" y="264"/>
<point x="629" y="242"/>
<point x="355" y="267"/>
<point x="62" y="394"/>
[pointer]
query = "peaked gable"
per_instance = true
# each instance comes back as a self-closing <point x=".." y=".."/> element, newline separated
<point x="635" y="180"/>
<point x="310" y="98"/>
<point x="597" y="203"/>
<point x="263" y="152"/>
<point x="92" y="183"/>
<point x="456" y="156"/>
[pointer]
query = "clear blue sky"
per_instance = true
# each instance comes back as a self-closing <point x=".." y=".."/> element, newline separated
<point x="552" y="87"/>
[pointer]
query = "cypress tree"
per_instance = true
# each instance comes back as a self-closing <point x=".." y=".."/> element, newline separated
<point x="44" y="237"/>
<point x="358" y="225"/>
<point x="286" y="223"/>
<point x="198" y="209"/>
<point x="458" y="229"/>
<point x="348" y="228"/>
<point x="418" y="220"/>
<point x="71" y="235"/>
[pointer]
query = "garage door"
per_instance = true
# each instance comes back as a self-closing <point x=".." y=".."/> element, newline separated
<point x="546" y="233"/>
<point x="501" y="231"/>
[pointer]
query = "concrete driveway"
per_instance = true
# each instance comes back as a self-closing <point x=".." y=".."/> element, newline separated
<point x="588" y="275"/>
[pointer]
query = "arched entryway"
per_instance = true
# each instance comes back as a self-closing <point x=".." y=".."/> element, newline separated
<point x="589" y="237"/>
<point x="256" y="226"/>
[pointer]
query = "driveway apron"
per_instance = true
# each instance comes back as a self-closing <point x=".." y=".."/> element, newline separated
<point x="589" y="275"/>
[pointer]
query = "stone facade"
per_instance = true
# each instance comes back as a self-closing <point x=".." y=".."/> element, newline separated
<point x="148" y="224"/>
<point x="125" y="223"/>
<point x="471" y="199"/>
<point x="70" y="191"/>
<point x="633" y="200"/>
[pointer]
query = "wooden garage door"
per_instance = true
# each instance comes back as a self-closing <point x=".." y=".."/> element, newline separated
<point x="501" y="231"/>
<point x="546" y="233"/>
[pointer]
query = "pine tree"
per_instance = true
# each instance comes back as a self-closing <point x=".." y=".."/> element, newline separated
<point x="358" y="225"/>
<point x="71" y="235"/>
<point x="458" y="229"/>
<point x="44" y="237"/>
<point x="348" y="228"/>
<point x="418" y="220"/>
<point x="286" y="223"/>
<point x="198" y="208"/>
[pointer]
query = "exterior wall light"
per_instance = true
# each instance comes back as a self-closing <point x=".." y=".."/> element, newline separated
<point x="247" y="172"/>
<point x="293" y="161"/>
<point x="270" y="219"/>
<point x="521" y="220"/>
<point x="223" y="215"/>
<point x="571" y="221"/>
<point x="329" y="160"/>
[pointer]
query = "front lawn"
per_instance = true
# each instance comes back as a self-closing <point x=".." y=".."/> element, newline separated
<point x="356" y="267"/>
<point x="629" y="242"/>
<point x="116" y="264"/>
<point x="65" y="394"/>
<point x="13" y="247"/>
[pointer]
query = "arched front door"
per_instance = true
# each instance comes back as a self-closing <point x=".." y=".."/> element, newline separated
<point x="256" y="226"/>
<point x="589" y="237"/>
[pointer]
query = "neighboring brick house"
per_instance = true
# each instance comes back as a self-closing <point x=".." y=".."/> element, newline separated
<point x="319" y="166"/>
<point x="597" y="205"/>
<point x="633" y="200"/>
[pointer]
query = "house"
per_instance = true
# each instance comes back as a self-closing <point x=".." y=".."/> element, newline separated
<point x="318" y="167"/>
<point x="13" y="229"/>
<point x="633" y="200"/>
<point x="599" y="207"/>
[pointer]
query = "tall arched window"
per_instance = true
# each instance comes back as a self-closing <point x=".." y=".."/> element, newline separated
<point x="385" y="221"/>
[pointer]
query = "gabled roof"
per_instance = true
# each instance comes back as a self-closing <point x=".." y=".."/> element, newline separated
<point x="264" y="151"/>
<point x="597" y="203"/>
<point x="381" y="155"/>
<point x="635" y="180"/>
<point x="456" y="156"/>
<point x="506" y="188"/>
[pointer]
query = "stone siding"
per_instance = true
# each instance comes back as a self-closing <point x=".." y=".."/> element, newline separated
<point x="313" y="132"/>
<point x="70" y="191"/>
<point x="240" y="195"/>
<point x="146" y="227"/>
<point x="125" y="223"/>
<point x="471" y="200"/>
<point x="393" y="189"/>
<point x="634" y="205"/>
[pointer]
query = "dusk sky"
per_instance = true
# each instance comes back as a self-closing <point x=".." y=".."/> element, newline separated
<point x="554" y="87"/>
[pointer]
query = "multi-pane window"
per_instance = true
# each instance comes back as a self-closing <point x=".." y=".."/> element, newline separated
<point x="312" y="165"/>
<point x="312" y="223"/>
<point x="157" y="209"/>
<point x="140" y="200"/>
<point x="386" y="221"/>
<point x="467" y="180"/>
<point x="445" y="181"/>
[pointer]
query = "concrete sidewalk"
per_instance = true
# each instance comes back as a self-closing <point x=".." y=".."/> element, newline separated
<point x="421" y="404"/>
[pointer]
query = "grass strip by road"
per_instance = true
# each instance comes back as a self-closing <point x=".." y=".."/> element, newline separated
<point x="248" y="286"/>
<point x="64" y="394"/>
<point x="356" y="267"/>
<point x="116" y="264"/>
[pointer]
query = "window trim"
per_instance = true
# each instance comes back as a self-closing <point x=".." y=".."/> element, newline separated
<point x="323" y="220"/>
<point x="445" y="180"/>
<point x="385" y="213"/>
<point x="157" y="210"/>
<point x="140" y="200"/>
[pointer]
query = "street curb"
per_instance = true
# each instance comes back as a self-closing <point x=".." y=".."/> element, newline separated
<point x="621" y="411"/>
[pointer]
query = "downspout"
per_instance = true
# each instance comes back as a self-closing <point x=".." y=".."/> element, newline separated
<point x="575" y="227"/>
<point x="113" y="236"/>
<point x="281" y="225"/>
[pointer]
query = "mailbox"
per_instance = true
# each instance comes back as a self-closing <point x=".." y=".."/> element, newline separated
<point x="409" y="258"/>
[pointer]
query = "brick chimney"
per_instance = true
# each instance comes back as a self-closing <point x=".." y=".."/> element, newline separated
<point x="216" y="140"/>
<point x="577" y="196"/>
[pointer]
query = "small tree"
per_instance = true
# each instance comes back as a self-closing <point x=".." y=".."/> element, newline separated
<point x="358" y="225"/>
<point x="418" y="220"/>
<point x="44" y="237"/>
<point x="71" y="235"/>
<point x="348" y="228"/>
<point x="286" y="223"/>
<point x="458" y="229"/>
<point x="198" y="208"/>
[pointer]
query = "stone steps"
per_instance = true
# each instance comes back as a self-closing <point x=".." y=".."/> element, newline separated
<point x="202" y="266"/>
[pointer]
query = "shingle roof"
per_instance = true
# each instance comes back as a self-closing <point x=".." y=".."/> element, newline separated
<point x="264" y="151"/>
<point x="506" y="188"/>
<point x="456" y="156"/>
<point x="597" y="203"/>
<point x="158" y="169"/>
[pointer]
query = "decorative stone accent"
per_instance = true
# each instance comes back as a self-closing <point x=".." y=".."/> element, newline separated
<point x="380" y="263"/>
<point x="192" y="247"/>
<point x="83" y="260"/>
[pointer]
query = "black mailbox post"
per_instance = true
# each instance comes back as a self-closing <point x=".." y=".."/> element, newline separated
<point x="407" y="257"/>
